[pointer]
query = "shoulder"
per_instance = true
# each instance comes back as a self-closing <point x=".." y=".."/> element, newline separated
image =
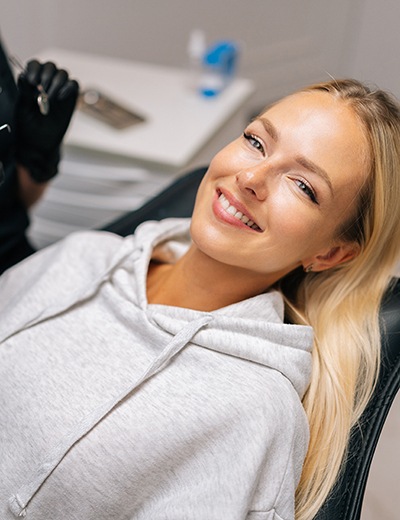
<point x="66" y="265"/>
<point x="276" y="416"/>
<point x="82" y="247"/>
<point x="278" y="401"/>
<point x="92" y="244"/>
<point x="260" y="399"/>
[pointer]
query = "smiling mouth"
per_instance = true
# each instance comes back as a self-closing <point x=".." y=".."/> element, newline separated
<point x="231" y="210"/>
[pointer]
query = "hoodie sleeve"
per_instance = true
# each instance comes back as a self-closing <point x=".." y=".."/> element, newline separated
<point x="294" y="466"/>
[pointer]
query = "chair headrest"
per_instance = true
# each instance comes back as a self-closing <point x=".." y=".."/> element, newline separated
<point x="390" y="314"/>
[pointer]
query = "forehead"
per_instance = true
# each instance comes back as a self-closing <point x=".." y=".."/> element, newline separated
<point x="325" y="130"/>
<point x="316" y="110"/>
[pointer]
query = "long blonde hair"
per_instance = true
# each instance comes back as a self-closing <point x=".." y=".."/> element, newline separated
<point x="342" y="304"/>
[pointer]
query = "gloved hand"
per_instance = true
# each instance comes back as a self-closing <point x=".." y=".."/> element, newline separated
<point x="38" y="136"/>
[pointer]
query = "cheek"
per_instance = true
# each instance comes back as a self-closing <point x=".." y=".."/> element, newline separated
<point x="285" y="209"/>
<point x="223" y="164"/>
<point x="227" y="161"/>
<point x="293" y="220"/>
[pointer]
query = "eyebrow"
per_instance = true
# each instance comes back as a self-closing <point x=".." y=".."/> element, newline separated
<point x="269" y="127"/>
<point x="309" y="165"/>
<point x="301" y="160"/>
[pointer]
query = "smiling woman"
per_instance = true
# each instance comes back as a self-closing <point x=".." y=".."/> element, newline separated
<point x="156" y="376"/>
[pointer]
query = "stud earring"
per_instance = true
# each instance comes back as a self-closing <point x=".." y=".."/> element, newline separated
<point x="308" y="268"/>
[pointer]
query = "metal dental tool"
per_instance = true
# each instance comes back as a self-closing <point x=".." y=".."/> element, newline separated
<point x="42" y="99"/>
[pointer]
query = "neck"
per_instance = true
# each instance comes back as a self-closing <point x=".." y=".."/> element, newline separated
<point x="199" y="282"/>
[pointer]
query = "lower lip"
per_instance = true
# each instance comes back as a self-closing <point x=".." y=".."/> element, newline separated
<point x="226" y="217"/>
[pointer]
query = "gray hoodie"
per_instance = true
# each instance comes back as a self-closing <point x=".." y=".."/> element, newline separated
<point x="112" y="408"/>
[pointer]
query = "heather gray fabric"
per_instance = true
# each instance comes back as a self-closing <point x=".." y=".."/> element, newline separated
<point x="111" y="408"/>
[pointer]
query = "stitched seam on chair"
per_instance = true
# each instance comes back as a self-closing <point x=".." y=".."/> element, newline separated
<point x="388" y="382"/>
<point x="390" y="378"/>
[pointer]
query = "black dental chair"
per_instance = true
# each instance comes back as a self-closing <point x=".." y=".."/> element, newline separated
<point x="177" y="200"/>
<point x="345" y="500"/>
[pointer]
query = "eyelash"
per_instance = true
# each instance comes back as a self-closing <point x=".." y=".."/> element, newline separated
<point x="302" y="184"/>
<point x="250" y="138"/>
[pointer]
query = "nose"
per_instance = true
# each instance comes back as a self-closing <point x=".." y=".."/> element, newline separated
<point x="252" y="181"/>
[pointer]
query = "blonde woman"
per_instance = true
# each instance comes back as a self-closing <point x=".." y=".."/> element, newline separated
<point x="155" y="377"/>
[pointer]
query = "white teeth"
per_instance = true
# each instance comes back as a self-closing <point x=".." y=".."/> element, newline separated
<point x="237" y="214"/>
<point x="224" y="202"/>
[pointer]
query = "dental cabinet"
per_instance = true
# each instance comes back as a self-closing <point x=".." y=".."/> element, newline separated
<point x="105" y="171"/>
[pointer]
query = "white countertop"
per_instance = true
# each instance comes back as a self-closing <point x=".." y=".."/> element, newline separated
<point x="179" y="121"/>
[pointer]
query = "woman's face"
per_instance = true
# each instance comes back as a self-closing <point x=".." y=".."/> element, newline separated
<point x="274" y="198"/>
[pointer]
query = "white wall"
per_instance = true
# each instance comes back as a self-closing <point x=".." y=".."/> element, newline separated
<point x="286" y="43"/>
<point x="375" y="57"/>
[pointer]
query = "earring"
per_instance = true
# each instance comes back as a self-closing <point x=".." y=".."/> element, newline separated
<point x="308" y="268"/>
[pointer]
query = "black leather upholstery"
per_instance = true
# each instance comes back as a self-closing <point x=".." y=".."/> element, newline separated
<point x="177" y="200"/>
<point x="345" y="501"/>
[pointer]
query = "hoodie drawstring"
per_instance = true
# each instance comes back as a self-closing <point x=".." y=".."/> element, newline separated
<point x="19" y="501"/>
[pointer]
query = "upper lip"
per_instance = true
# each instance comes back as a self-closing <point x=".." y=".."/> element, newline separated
<point x="233" y="201"/>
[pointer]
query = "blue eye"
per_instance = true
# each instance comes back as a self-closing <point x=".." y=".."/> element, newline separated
<point x="307" y="190"/>
<point x="254" y="142"/>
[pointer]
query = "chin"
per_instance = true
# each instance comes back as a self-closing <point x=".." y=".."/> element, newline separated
<point x="208" y="239"/>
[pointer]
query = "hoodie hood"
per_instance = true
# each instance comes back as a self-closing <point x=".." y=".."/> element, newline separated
<point x="252" y="330"/>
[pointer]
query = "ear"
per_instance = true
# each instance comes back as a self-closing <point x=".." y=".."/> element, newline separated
<point x="336" y="255"/>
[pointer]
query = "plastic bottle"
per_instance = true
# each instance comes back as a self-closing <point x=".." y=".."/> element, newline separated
<point x="219" y="66"/>
<point x="196" y="49"/>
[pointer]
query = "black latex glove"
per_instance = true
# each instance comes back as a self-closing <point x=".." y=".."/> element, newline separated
<point x="39" y="136"/>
